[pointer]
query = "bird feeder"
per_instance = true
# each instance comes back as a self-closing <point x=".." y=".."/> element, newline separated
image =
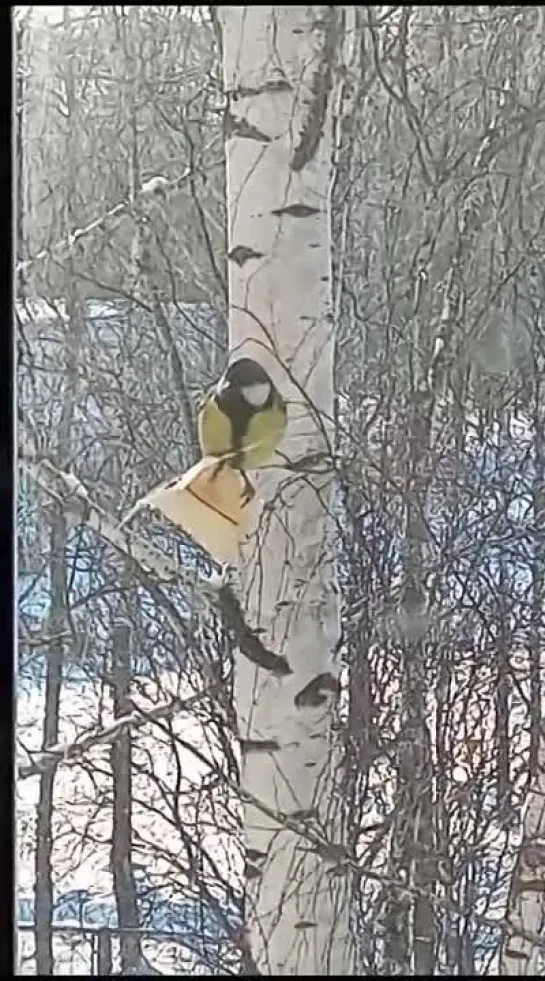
<point x="207" y="504"/>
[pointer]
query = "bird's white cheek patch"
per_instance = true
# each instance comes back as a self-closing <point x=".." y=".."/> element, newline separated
<point x="256" y="394"/>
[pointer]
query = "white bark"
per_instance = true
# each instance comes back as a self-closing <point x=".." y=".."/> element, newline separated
<point x="279" y="77"/>
<point x="521" y="956"/>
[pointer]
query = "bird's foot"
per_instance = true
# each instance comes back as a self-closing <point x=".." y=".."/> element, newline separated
<point x="217" y="470"/>
<point x="249" y="491"/>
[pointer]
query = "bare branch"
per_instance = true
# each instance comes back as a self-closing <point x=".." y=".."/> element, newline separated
<point x="154" y="186"/>
<point x="73" y="751"/>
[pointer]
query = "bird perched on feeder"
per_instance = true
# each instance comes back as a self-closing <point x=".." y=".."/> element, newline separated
<point x="242" y="420"/>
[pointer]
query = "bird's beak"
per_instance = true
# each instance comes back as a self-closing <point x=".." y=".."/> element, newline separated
<point x="223" y="385"/>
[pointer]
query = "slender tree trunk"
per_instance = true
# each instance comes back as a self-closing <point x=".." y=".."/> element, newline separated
<point x="21" y="42"/>
<point x="121" y="762"/>
<point x="43" y="878"/>
<point x="53" y="672"/>
<point x="279" y="74"/>
<point x="58" y="608"/>
<point x="503" y="665"/>
<point x="537" y="642"/>
<point x="526" y="906"/>
<point x="410" y="922"/>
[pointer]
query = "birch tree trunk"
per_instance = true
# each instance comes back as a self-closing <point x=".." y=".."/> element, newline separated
<point x="279" y="81"/>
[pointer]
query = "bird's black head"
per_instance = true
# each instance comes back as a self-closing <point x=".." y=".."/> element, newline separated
<point x="248" y="381"/>
<point x="246" y="372"/>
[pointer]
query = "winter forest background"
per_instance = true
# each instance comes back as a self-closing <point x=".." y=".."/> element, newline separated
<point x="438" y="205"/>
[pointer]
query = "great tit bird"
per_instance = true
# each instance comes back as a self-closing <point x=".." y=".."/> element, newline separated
<point x="244" y="416"/>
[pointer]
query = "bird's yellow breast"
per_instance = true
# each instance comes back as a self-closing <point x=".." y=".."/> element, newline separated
<point x="255" y="445"/>
<point x="265" y="430"/>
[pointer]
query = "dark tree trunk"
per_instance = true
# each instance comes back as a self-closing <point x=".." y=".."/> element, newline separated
<point x="121" y="761"/>
<point x="43" y="888"/>
<point x="54" y="667"/>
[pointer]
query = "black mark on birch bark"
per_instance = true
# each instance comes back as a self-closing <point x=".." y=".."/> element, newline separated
<point x="296" y="211"/>
<point x="247" y="639"/>
<point x="316" y="692"/>
<point x="233" y="126"/>
<point x="251" y="872"/>
<point x="242" y="253"/>
<point x="274" y="85"/>
<point x="322" y="82"/>
<point x="259" y="745"/>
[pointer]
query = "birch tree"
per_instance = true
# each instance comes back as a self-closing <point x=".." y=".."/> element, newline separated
<point x="280" y="70"/>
